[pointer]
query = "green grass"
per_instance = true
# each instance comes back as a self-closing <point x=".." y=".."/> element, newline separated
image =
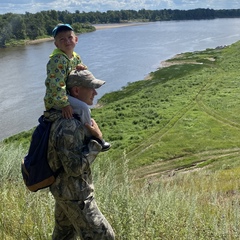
<point x="182" y="110"/>
<point x="184" y="205"/>
<point x="174" y="166"/>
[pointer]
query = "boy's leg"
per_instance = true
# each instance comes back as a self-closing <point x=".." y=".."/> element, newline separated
<point x="105" y="145"/>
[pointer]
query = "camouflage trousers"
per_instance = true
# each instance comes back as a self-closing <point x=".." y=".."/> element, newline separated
<point x="74" y="219"/>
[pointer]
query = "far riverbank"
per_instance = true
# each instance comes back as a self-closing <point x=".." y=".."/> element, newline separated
<point x="97" y="27"/>
<point x="117" y="25"/>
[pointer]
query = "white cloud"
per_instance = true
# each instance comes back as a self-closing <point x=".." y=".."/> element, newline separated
<point x="22" y="6"/>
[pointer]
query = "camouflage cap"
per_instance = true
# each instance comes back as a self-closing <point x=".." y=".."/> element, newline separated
<point x="83" y="78"/>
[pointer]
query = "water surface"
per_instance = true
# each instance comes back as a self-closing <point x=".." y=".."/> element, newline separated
<point x="117" y="55"/>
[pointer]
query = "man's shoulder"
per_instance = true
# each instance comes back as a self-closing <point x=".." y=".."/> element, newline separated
<point x="69" y="124"/>
<point x="55" y="116"/>
<point x="77" y="104"/>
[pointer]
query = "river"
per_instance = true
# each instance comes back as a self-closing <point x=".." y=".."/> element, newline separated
<point x="116" y="55"/>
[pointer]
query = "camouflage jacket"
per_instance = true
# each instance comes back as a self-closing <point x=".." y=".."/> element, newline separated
<point x="65" y="145"/>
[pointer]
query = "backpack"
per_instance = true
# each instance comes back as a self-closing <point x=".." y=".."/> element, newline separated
<point x="35" y="169"/>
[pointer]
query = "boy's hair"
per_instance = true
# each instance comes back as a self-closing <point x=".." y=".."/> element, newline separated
<point x="61" y="28"/>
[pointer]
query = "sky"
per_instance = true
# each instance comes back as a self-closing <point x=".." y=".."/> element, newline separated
<point x="33" y="6"/>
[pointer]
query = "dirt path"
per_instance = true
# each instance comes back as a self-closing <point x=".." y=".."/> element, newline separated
<point x="161" y="169"/>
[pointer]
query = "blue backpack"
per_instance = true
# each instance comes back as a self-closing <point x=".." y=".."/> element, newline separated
<point x="36" y="172"/>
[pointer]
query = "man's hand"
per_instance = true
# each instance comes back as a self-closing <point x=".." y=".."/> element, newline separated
<point x="94" y="129"/>
<point x="67" y="112"/>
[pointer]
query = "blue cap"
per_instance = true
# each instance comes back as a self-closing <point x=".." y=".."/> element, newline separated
<point x="59" y="26"/>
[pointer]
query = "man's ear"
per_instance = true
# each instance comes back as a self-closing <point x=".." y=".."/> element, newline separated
<point x="74" y="91"/>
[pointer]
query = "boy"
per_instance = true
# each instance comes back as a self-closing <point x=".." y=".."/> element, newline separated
<point x="62" y="61"/>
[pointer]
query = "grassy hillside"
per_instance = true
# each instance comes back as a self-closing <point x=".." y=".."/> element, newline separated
<point x="173" y="170"/>
<point x="185" y="115"/>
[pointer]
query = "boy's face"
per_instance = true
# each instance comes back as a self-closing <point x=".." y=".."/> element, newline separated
<point x="66" y="41"/>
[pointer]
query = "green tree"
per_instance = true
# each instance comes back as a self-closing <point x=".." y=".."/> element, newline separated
<point x="18" y="27"/>
<point x="113" y="16"/>
<point x="5" y="29"/>
<point x="34" y="25"/>
<point x="3" y="36"/>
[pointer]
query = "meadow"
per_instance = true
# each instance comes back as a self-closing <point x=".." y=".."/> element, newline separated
<point x="174" y="167"/>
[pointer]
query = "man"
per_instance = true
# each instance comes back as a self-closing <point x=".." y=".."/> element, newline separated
<point x="76" y="212"/>
<point x="80" y="107"/>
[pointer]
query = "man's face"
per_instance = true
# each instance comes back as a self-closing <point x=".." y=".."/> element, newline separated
<point x="86" y="94"/>
<point x="66" y="41"/>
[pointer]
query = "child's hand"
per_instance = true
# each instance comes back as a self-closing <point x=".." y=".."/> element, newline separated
<point x="80" y="67"/>
<point x="67" y="112"/>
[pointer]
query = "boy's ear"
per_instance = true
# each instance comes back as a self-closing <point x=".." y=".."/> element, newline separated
<point x="55" y="43"/>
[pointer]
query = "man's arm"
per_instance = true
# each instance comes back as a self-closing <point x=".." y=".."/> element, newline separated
<point x="94" y="129"/>
<point x="70" y="145"/>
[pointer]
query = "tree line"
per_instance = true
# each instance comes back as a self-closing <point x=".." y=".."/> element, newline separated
<point x="31" y="26"/>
